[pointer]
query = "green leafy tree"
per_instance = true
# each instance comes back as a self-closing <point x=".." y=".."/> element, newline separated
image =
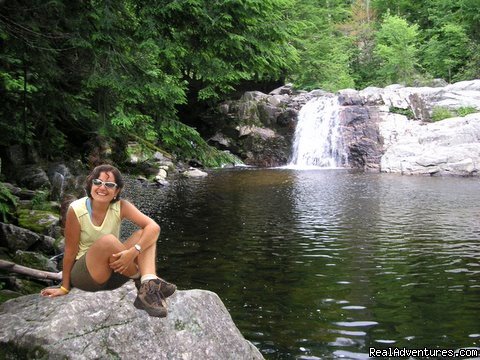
<point x="447" y="52"/>
<point x="461" y="12"/>
<point x="218" y="44"/>
<point x="413" y="11"/>
<point x="472" y="68"/>
<point x="122" y="68"/>
<point x="453" y="37"/>
<point x="396" y="47"/>
<point x="31" y="39"/>
<point x="213" y="46"/>
<point x="361" y="28"/>
<point x="130" y="87"/>
<point x="325" y="51"/>
<point x="435" y="18"/>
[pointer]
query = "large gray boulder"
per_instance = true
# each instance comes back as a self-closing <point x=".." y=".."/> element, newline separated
<point x="33" y="177"/>
<point x="106" y="325"/>
<point x="16" y="238"/>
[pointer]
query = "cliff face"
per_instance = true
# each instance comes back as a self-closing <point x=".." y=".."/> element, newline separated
<point x="106" y="325"/>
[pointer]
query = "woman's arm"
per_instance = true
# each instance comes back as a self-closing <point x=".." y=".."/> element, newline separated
<point x="151" y="230"/>
<point x="72" y="239"/>
<point x="148" y="237"/>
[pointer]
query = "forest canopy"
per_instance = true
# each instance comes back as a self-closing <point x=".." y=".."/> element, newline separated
<point x="125" y="69"/>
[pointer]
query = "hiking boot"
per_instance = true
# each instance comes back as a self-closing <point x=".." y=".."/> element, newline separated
<point x="165" y="287"/>
<point x="150" y="299"/>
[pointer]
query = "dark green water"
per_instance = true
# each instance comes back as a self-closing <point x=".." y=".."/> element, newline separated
<point x="325" y="264"/>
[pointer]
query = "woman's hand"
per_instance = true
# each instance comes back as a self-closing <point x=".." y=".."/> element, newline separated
<point x="124" y="259"/>
<point x="53" y="292"/>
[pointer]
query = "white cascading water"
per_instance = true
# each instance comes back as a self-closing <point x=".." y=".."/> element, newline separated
<point x="318" y="141"/>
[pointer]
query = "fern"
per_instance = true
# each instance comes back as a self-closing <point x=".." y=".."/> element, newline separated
<point x="40" y="200"/>
<point x="7" y="201"/>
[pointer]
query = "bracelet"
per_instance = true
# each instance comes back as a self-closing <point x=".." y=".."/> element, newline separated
<point x="65" y="290"/>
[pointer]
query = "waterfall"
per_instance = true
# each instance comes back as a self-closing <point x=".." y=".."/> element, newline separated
<point x="318" y="141"/>
<point x="58" y="184"/>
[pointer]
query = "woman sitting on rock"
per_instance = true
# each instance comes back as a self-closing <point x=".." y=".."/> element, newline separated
<point x="95" y="259"/>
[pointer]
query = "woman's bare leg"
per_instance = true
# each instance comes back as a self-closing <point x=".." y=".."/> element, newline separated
<point x="99" y="256"/>
<point x="146" y="260"/>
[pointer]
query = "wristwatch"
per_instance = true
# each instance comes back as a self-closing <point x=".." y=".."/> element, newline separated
<point x="138" y="248"/>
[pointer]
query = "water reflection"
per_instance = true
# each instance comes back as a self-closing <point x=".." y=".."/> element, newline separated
<point x="323" y="264"/>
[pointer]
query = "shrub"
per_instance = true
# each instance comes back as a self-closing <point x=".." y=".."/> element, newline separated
<point x="40" y="200"/>
<point x="465" y="110"/>
<point x="440" y="113"/>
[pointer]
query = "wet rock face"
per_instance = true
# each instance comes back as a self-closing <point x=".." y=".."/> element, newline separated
<point x="103" y="325"/>
<point x="361" y="136"/>
<point x="259" y="127"/>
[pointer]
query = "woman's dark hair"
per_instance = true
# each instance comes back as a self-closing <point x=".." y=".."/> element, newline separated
<point x="96" y="173"/>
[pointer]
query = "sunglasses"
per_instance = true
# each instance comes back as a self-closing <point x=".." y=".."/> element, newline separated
<point x="108" y="184"/>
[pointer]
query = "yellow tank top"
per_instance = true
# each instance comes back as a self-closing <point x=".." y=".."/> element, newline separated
<point x="90" y="232"/>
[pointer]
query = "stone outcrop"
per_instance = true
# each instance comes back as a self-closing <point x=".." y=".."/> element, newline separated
<point x="420" y="100"/>
<point x="106" y="325"/>
<point x="414" y="145"/>
<point x="361" y="135"/>
<point x="448" y="147"/>
<point x="41" y="221"/>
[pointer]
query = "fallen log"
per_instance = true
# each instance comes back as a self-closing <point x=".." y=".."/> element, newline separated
<point x="35" y="273"/>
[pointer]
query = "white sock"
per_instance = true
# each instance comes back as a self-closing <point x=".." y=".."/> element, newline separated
<point x="136" y="276"/>
<point x="147" y="277"/>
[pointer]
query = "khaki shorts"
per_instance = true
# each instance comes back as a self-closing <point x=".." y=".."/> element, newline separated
<point x="81" y="278"/>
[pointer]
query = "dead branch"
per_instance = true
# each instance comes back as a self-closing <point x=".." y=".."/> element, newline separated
<point x="35" y="273"/>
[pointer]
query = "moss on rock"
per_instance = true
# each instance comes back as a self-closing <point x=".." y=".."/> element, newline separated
<point x="39" y="221"/>
<point x="34" y="260"/>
